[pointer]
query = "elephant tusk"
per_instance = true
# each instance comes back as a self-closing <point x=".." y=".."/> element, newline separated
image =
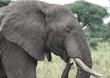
<point x="87" y="69"/>
<point x="71" y="60"/>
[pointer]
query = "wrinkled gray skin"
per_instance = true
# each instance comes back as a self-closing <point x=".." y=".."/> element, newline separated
<point x="15" y="61"/>
<point x="31" y="28"/>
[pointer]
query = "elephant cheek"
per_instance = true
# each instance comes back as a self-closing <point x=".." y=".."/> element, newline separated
<point x="73" y="49"/>
<point x="74" y="54"/>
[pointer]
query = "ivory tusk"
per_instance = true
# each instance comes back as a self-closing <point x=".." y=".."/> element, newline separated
<point x="87" y="69"/>
<point x="71" y="60"/>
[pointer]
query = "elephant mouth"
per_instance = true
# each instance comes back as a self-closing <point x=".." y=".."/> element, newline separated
<point x="65" y="57"/>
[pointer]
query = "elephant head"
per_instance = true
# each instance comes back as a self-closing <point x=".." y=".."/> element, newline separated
<point x="36" y="25"/>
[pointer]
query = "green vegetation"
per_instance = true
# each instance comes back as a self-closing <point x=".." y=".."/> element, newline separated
<point x="89" y="14"/>
<point x="4" y="2"/>
<point x="101" y="63"/>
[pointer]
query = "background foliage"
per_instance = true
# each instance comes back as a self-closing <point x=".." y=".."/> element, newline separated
<point x="4" y="2"/>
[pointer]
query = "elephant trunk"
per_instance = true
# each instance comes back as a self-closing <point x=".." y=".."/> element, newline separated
<point x="87" y="69"/>
<point x="85" y="64"/>
<point x="86" y="56"/>
<point x="78" y="49"/>
<point x="66" y="70"/>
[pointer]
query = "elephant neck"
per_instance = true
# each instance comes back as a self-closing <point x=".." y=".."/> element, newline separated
<point x="1" y="39"/>
<point x="4" y="43"/>
<point x="1" y="36"/>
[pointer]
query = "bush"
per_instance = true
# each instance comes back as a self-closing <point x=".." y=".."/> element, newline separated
<point x="93" y="44"/>
<point x="108" y="40"/>
<point x="4" y="3"/>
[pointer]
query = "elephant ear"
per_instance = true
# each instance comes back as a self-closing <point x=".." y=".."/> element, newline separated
<point x="23" y="23"/>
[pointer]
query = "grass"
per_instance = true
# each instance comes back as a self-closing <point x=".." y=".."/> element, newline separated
<point x="54" y="69"/>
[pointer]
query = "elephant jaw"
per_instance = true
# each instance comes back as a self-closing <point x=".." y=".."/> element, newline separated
<point x="86" y="68"/>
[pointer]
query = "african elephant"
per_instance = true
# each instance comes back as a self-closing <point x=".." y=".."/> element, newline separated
<point x="66" y="70"/>
<point x="31" y="28"/>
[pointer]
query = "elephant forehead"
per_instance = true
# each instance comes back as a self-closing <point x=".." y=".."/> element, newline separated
<point x="67" y="21"/>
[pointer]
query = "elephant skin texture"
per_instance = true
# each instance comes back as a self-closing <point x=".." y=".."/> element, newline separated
<point x="16" y="62"/>
<point x="31" y="30"/>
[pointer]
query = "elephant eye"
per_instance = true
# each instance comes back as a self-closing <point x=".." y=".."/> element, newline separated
<point x="67" y="29"/>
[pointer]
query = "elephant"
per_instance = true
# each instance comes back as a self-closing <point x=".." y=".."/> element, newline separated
<point x="31" y="30"/>
<point x="66" y="70"/>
